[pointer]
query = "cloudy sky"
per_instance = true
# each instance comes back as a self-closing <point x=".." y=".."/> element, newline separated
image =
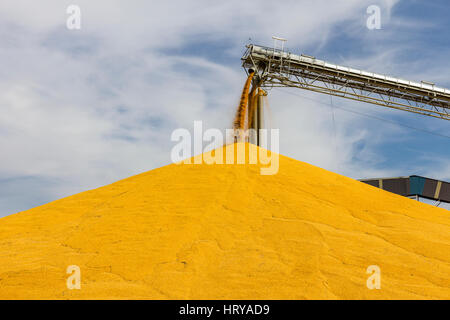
<point x="84" y="108"/>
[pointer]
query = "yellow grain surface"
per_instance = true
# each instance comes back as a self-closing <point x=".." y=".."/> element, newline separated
<point x="227" y="232"/>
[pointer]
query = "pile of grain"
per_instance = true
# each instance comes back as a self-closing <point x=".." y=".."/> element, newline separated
<point x="227" y="232"/>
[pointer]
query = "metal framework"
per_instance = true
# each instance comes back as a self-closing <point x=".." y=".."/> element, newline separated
<point x="414" y="187"/>
<point x="277" y="68"/>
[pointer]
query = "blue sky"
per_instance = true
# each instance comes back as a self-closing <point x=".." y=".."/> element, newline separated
<point x="84" y="108"/>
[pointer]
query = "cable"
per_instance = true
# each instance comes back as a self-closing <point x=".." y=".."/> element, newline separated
<point x="334" y="129"/>
<point x="370" y="116"/>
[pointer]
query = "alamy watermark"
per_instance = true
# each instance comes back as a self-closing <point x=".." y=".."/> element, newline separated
<point x="74" y="280"/>
<point x="74" y="20"/>
<point x="374" y="19"/>
<point x="374" y="281"/>
<point x="239" y="154"/>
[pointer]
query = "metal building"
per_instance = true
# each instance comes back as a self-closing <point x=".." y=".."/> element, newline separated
<point x="414" y="186"/>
